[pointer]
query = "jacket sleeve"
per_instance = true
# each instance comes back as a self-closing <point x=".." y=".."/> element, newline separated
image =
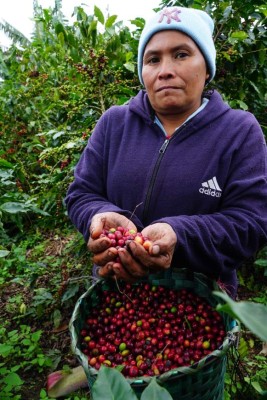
<point x="86" y="195"/>
<point x="215" y="243"/>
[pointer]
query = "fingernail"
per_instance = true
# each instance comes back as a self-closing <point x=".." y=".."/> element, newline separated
<point x="116" y="271"/>
<point x="132" y="244"/>
<point x="155" y="249"/>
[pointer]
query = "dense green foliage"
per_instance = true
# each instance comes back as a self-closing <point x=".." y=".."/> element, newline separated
<point x="53" y="89"/>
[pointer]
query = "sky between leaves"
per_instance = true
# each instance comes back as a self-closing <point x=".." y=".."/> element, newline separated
<point x="19" y="13"/>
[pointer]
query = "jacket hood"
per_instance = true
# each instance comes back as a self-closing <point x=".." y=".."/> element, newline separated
<point x="141" y="106"/>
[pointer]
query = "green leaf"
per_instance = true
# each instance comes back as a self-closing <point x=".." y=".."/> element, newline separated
<point x="110" y="21"/>
<point x="111" y="384"/>
<point x="5" y="164"/>
<point x="59" y="28"/>
<point x="12" y="380"/>
<point x="26" y="342"/>
<point x="255" y="87"/>
<point x="227" y="11"/>
<point x="242" y="105"/>
<point x="155" y="392"/>
<point x="242" y="348"/>
<point x="61" y="38"/>
<point x="261" y="262"/>
<point x="4" y="253"/>
<point x="13" y="207"/>
<point x="92" y="28"/>
<point x="70" y="292"/>
<point x="5" y="174"/>
<point x="263" y="9"/>
<point x="70" y="145"/>
<point x="239" y="35"/>
<point x="58" y="134"/>
<point x="99" y="15"/>
<point x="5" y="349"/>
<point x="226" y="55"/>
<point x="43" y="394"/>
<point x="139" y="22"/>
<point x="57" y="317"/>
<point x="257" y="387"/>
<point x="38" y="211"/>
<point x="129" y="66"/>
<point x="129" y="56"/>
<point x="36" y="336"/>
<point x="252" y="315"/>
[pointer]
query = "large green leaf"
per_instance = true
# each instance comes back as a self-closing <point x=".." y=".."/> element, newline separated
<point x="252" y="315"/>
<point x="6" y="173"/>
<point x="5" y="349"/>
<point x="110" y="21"/>
<point x="5" y="164"/>
<point x="99" y="15"/>
<point x="263" y="9"/>
<point x="155" y="392"/>
<point x="129" y="66"/>
<point x="240" y="35"/>
<point x="12" y="207"/>
<point x="4" y="253"/>
<point x="111" y="385"/>
<point x="12" y="380"/>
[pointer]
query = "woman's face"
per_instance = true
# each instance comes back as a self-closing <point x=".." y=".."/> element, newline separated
<point x="174" y="73"/>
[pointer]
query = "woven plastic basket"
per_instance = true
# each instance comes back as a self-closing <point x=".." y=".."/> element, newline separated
<point x="203" y="380"/>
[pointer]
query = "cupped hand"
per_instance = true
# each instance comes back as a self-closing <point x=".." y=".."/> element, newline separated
<point x="99" y="246"/>
<point x="134" y="261"/>
<point x="159" y="254"/>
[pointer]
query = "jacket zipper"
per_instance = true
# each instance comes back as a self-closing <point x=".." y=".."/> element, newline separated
<point x="155" y="173"/>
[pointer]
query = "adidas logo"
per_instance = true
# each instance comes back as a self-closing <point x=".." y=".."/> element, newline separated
<point x="211" y="188"/>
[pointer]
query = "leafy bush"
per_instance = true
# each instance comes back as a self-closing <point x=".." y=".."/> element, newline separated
<point x="21" y="351"/>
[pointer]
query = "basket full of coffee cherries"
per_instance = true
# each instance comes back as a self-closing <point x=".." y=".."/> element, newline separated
<point x="165" y="326"/>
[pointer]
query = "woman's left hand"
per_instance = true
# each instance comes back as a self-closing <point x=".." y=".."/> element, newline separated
<point x="138" y="261"/>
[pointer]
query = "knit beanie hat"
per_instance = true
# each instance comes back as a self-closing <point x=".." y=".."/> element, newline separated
<point x="197" y="24"/>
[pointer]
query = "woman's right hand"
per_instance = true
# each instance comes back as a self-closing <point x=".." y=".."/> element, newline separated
<point x="100" y="247"/>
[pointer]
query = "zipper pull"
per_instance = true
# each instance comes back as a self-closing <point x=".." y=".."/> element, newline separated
<point x="164" y="146"/>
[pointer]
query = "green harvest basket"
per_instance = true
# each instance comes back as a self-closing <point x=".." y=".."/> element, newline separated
<point x="203" y="380"/>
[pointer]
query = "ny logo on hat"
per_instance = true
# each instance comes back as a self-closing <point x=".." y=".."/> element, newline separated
<point x="170" y="14"/>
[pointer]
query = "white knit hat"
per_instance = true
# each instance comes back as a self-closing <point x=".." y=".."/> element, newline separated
<point x="195" y="23"/>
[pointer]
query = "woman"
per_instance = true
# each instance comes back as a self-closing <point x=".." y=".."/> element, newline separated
<point x="177" y="164"/>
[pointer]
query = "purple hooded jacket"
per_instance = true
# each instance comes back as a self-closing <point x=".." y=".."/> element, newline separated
<point x="208" y="181"/>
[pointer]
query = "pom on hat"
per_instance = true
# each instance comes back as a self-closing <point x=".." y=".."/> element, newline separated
<point x="197" y="24"/>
